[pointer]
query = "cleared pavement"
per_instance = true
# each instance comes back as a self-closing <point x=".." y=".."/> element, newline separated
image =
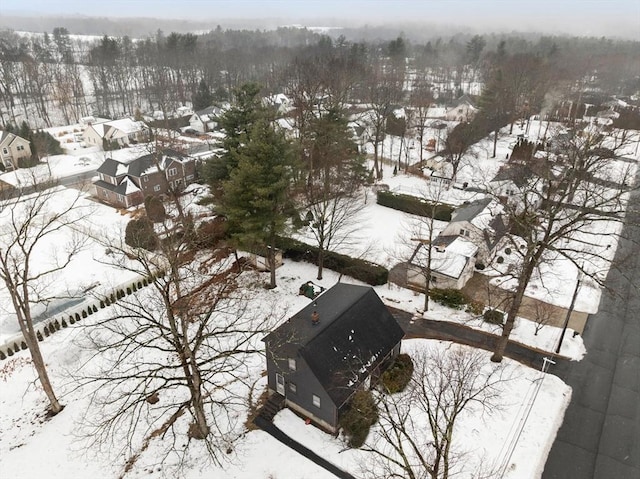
<point x="600" y="435"/>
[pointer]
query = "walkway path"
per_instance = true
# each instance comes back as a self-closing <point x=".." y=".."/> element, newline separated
<point x="275" y="432"/>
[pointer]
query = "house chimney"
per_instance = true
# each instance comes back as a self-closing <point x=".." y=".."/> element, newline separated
<point x="315" y="318"/>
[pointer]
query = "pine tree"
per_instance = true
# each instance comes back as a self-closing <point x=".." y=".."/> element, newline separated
<point x="236" y="123"/>
<point x="256" y="196"/>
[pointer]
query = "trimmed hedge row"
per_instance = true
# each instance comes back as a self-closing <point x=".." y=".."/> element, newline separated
<point x="51" y="326"/>
<point x="359" y="269"/>
<point x="414" y="205"/>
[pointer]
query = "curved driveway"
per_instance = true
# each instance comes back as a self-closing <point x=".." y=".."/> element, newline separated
<point x="600" y="435"/>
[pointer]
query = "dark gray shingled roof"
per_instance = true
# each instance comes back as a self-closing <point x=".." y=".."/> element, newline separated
<point x="356" y="331"/>
<point x="471" y="210"/>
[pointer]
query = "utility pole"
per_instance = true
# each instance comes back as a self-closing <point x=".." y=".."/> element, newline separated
<point x="566" y="320"/>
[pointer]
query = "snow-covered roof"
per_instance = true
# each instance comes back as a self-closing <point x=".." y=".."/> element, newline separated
<point x="126" y="125"/>
<point x="449" y="255"/>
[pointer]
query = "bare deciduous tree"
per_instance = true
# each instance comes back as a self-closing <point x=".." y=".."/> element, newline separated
<point x="415" y="434"/>
<point x="30" y="223"/>
<point x="179" y="346"/>
<point x="574" y="189"/>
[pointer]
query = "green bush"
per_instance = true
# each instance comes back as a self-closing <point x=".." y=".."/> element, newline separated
<point x="155" y="208"/>
<point x="397" y="376"/>
<point x="414" y="205"/>
<point x="475" y="307"/>
<point x="453" y="298"/>
<point x="360" y="415"/>
<point x="493" y="316"/>
<point x="359" y="269"/>
<point x="140" y="234"/>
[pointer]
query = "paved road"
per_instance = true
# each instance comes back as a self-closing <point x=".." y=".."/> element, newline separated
<point x="600" y="436"/>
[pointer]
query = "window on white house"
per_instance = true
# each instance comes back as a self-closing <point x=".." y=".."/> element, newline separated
<point x="292" y="364"/>
<point x="20" y="147"/>
<point x="316" y="400"/>
<point x="173" y="171"/>
<point x="5" y="151"/>
<point x="464" y="232"/>
<point x="156" y="188"/>
<point x="293" y="388"/>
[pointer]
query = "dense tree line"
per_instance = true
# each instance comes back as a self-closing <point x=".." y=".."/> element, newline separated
<point x="56" y="78"/>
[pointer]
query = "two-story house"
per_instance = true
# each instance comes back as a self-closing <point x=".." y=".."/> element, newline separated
<point x="13" y="148"/>
<point x="340" y="343"/>
<point x="127" y="184"/>
<point x="464" y="110"/>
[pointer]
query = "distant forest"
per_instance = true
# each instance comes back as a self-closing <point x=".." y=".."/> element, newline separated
<point x="56" y="77"/>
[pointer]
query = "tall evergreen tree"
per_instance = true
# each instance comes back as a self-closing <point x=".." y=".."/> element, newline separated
<point x="236" y="123"/>
<point x="256" y="195"/>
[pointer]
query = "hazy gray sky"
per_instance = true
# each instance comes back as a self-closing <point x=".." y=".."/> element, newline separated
<point x="586" y="17"/>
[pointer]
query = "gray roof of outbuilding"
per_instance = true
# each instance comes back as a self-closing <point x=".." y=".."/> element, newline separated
<point x="471" y="210"/>
<point x="355" y="333"/>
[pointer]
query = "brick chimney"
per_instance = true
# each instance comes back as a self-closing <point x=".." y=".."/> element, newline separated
<point x="315" y="318"/>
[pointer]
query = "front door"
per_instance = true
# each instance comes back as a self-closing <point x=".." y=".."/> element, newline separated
<point x="280" y="384"/>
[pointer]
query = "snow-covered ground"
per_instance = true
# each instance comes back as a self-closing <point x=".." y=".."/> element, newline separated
<point x="61" y="450"/>
<point x="384" y="237"/>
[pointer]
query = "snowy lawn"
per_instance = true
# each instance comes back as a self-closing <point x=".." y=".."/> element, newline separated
<point x="33" y="447"/>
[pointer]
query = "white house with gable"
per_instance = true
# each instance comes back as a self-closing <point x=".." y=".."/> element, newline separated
<point x="470" y="239"/>
<point x="116" y="133"/>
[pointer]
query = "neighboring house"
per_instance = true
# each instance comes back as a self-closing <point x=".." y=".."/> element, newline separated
<point x="280" y="101"/>
<point x="205" y="120"/>
<point x="479" y="222"/>
<point x="470" y="239"/>
<point x="13" y="148"/>
<point x="127" y="184"/>
<point x="117" y="133"/>
<point x="340" y="343"/>
<point x="516" y="179"/>
<point x="452" y="263"/>
<point x="464" y="110"/>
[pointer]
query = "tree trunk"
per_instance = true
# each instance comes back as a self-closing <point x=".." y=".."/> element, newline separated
<point x="199" y="429"/>
<point x="320" y="261"/>
<point x="29" y="333"/>
<point x="495" y="142"/>
<point x="501" y="344"/>
<point x="271" y="261"/>
<point x="38" y="363"/>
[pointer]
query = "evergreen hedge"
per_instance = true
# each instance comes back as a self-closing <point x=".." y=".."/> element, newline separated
<point x="357" y="268"/>
<point x="414" y="205"/>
